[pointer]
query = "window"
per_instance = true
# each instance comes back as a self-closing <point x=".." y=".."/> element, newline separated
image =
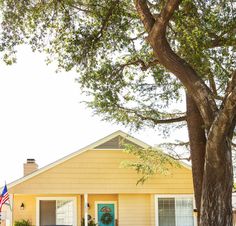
<point x="56" y="211"/>
<point x="175" y="211"/>
<point x="64" y="212"/>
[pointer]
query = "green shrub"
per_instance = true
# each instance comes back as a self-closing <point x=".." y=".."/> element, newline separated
<point x="90" y="223"/>
<point x="22" y="223"/>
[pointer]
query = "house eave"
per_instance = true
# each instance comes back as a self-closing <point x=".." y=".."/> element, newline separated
<point x="80" y="151"/>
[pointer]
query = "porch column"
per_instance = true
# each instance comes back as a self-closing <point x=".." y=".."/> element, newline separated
<point x="85" y="209"/>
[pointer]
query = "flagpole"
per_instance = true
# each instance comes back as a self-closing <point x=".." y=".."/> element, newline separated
<point x="1" y="208"/>
<point x="9" y="201"/>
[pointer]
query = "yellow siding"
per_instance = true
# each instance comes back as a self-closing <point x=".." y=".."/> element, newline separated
<point x="99" y="172"/>
<point x="134" y="210"/>
<point x="29" y="212"/>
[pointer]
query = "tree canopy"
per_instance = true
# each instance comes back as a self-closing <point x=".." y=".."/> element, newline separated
<point x="106" y="43"/>
<point x="135" y="59"/>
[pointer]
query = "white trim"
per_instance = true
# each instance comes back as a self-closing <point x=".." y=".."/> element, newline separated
<point x="37" y="212"/>
<point x="82" y="150"/>
<point x="156" y="209"/>
<point x="173" y="196"/>
<point x="104" y="202"/>
<point x="85" y="209"/>
<point x="74" y="199"/>
<point x="110" y="149"/>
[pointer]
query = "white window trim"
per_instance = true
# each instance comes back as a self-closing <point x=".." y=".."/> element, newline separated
<point x="74" y="199"/>
<point x="173" y="196"/>
<point x="104" y="202"/>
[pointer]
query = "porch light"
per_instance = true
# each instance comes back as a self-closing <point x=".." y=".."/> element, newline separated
<point x="195" y="212"/>
<point x="22" y="206"/>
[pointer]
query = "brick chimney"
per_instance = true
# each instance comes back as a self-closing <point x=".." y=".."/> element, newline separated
<point x="30" y="166"/>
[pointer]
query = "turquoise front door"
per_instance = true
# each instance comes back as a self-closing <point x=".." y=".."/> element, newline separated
<point x="106" y="214"/>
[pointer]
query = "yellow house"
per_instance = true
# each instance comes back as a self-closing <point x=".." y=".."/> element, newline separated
<point x="91" y="184"/>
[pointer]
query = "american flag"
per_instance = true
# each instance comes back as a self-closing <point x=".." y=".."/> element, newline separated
<point x="4" y="197"/>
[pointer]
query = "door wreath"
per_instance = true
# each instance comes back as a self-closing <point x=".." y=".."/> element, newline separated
<point x="106" y="218"/>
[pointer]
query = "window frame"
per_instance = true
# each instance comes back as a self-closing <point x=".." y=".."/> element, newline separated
<point x="73" y="199"/>
<point x="173" y="196"/>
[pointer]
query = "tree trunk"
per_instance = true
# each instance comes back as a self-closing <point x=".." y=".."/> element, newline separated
<point x="197" y="140"/>
<point x="216" y="202"/>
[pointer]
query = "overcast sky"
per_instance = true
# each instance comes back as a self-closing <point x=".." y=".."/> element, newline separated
<point x="41" y="116"/>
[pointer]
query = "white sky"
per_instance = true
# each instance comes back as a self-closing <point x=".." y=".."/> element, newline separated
<point x="41" y="116"/>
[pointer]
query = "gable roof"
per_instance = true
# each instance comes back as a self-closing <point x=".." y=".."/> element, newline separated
<point x="117" y="142"/>
<point x="112" y="141"/>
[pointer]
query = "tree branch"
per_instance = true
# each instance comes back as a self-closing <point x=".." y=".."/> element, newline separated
<point x="179" y="158"/>
<point x="105" y="21"/>
<point x="167" y="12"/>
<point x="171" y="61"/>
<point x="212" y="82"/>
<point x="233" y="144"/>
<point x="144" y="65"/>
<point x="152" y="119"/>
<point x="223" y="38"/>
<point x="162" y="121"/>
<point x="138" y="36"/>
<point x="232" y="83"/>
<point x="220" y="42"/>
<point x="223" y="122"/>
<point x="145" y="14"/>
<point x="79" y="8"/>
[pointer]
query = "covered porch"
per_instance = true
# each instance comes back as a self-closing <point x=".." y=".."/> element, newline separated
<point x="85" y="209"/>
